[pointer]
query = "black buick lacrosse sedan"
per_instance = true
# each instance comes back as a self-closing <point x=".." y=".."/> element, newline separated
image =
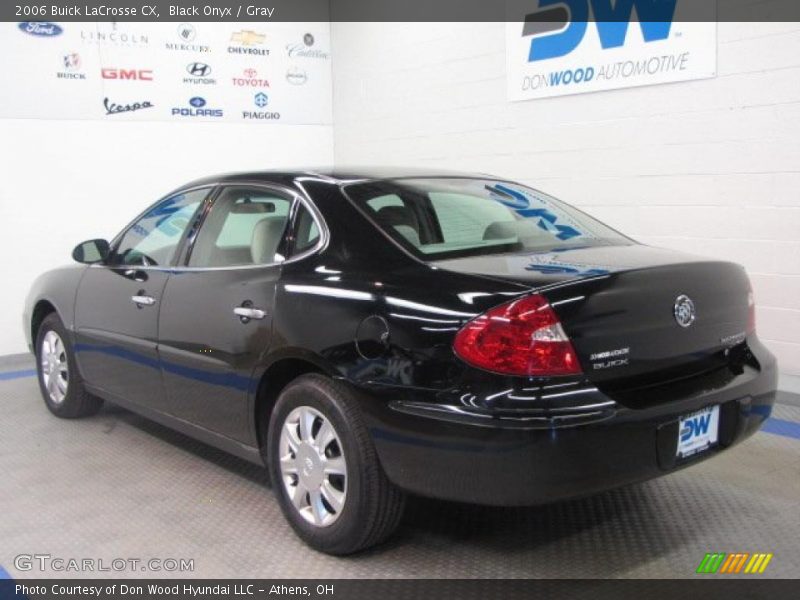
<point x="369" y="334"/>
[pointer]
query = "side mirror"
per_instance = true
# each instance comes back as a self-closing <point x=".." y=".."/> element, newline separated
<point x="92" y="251"/>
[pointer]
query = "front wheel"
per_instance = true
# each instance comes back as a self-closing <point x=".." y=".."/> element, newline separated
<point x="325" y="471"/>
<point x="59" y="381"/>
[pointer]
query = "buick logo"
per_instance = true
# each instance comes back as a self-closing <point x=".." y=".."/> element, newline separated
<point x="198" y="69"/>
<point x="684" y="311"/>
<point x="72" y="61"/>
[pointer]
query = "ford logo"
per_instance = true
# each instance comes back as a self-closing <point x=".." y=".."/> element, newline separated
<point x="40" y="28"/>
<point x="197" y="102"/>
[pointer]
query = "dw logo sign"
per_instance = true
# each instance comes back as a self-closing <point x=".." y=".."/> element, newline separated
<point x="558" y="47"/>
<point x="695" y="426"/>
<point x="611" y="19"/>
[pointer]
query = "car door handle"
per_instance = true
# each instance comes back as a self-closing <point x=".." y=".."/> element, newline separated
<point x="143" y="300"/>
<point x="245" y="313"/>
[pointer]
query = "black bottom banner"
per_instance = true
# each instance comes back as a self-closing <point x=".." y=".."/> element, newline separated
<point x="392" y="589"/>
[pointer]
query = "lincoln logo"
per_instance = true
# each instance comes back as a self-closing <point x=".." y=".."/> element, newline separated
<point x="684" y="311"/>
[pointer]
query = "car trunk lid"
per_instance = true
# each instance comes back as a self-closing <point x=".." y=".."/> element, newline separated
<point x="628" y="309"/>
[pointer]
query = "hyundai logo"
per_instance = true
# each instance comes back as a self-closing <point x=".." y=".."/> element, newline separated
<point x="198" y="69"/>
<point x="197" y="102"/>
<point x="684" y="311"/>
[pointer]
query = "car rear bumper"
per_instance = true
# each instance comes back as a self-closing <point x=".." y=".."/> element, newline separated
<point x="452" y="454"/>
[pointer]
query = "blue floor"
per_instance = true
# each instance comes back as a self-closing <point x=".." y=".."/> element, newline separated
<point x="773" y="425"/>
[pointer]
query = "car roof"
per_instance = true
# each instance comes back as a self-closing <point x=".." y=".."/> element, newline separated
<point x="338" y="175"/>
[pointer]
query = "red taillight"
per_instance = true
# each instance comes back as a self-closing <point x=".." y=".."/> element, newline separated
<point x="523" y="337"/>
<point x="751" y="311"/>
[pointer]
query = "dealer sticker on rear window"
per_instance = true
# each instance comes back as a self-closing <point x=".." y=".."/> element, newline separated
<point x="698" y="432"/>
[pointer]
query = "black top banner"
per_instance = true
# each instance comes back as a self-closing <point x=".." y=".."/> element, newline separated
<point x="532" y="11"/>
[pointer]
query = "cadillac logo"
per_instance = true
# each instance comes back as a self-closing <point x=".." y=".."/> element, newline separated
<point x="684" y="311"/>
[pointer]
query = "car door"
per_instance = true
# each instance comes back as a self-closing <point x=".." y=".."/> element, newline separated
<point x="117" y="303"/>
<point x="216" y="314"/>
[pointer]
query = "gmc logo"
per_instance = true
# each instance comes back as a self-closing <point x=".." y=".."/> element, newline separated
<point x="132" y="74"/>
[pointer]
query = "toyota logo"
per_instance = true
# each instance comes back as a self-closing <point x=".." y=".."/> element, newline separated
<point x="684" y="311"/>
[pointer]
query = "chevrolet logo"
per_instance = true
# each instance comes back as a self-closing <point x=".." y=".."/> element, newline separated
<point x="248" y="38"/>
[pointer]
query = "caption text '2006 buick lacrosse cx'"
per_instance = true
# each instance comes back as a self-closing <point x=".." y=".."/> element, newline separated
<point x="374" y="333"/>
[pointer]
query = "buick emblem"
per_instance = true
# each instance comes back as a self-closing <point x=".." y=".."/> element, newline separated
<point x="684" y="311"/>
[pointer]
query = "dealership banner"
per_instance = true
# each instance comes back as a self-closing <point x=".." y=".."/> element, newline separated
<point x="561" y="47"/>
<point x="400" y="589"/>
<point x="165" y="71"/>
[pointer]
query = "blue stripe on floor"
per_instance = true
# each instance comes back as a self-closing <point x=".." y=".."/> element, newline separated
<point x="17" y="374"/>
<point x="775" y="426"/>
<point x="781" y="427"/>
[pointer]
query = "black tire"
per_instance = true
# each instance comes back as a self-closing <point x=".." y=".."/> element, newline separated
<point x="77" y="402"/>
<point x="373" y="506"/>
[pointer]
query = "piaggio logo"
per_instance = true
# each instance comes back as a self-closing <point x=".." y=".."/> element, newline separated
<point x="127" y="74"/>
<point x="734" y="563"/>
<point x="559" y="26"/>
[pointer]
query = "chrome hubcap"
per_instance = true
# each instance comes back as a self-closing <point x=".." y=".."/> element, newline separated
<point x="313" y="466"/>
<point x="53" y="362"/>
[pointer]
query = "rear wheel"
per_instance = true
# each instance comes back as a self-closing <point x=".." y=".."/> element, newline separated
<point x="325" y="471"/>
<point x="59" y="381"/>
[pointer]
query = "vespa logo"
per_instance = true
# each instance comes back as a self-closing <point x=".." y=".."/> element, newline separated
<point x="570" y="18"/>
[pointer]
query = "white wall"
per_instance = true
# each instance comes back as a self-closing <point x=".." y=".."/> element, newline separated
<point x="65" y="181"/>
<point x="709" y="166"/>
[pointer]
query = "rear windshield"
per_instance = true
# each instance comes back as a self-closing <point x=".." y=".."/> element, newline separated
<point x="454" y="217"/>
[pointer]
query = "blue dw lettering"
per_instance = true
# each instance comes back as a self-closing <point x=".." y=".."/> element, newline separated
<point x="612" y="20"/>
<point x="697" y="426"/>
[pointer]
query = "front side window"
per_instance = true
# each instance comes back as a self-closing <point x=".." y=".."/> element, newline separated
<point x="153" y="238"/>
<point x="246" y="226"/>
<point x="452" y="217"/>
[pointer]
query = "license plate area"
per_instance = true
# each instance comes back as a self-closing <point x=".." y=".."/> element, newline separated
<point x="698" y="432"/>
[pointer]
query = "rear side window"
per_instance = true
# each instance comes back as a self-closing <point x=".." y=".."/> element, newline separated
<point x="307" y="233"/>
<point x="246" y="226"/>
<point x="452" y="217"/>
